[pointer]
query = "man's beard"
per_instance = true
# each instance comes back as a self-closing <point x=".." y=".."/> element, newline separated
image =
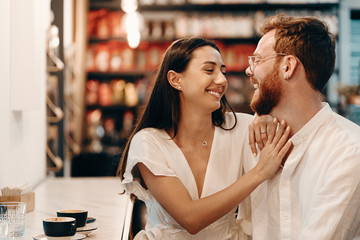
<point x="269" y="93"/>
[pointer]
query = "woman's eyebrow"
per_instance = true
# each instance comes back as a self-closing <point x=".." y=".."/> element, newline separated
<point x="213" y="63"/>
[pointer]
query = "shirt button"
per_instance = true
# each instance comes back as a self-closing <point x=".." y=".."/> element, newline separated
<point x="284" y="184"/>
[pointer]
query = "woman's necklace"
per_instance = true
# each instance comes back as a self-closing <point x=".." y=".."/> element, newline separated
<point x="204" y="143"/>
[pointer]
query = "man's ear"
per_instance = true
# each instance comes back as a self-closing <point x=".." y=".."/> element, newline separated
<point x="288" y="69"/>
<point x="174" y="79"/>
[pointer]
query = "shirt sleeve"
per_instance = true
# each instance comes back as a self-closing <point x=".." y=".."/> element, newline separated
<point x="335" y="211"/>
<point x="243" y="218"/>
<point x="144" y="148"/>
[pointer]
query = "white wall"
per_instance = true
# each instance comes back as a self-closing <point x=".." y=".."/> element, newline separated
<point x="23" y="25"/>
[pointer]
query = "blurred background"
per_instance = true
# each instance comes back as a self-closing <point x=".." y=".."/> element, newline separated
<point x="76" y="72"/>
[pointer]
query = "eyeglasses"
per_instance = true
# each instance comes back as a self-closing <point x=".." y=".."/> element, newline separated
<point x="255" y="60"/>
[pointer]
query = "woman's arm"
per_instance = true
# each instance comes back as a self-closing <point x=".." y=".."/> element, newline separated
<point x="194" y="215"/>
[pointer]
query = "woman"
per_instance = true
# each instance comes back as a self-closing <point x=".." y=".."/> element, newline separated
<point x="185" y="154"/>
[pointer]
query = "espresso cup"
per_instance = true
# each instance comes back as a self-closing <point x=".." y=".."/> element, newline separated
<point x="79" y="215"/>
<point x="59" y="227"/>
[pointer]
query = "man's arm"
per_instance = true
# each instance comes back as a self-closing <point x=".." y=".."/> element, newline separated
<point x="335" y="206"/>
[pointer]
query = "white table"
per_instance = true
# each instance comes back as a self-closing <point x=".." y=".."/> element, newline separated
<point x="100" y="196"/>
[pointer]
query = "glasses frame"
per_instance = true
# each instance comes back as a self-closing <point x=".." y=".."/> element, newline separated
<point x="253" y="64"/>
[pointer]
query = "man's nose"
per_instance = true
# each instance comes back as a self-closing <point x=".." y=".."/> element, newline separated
<point x="248" y="71"/>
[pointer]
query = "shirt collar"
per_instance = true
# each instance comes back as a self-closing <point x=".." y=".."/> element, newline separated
<point x="313" y="125"/>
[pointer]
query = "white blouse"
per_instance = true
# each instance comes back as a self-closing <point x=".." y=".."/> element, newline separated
<point x="155" y="149"/>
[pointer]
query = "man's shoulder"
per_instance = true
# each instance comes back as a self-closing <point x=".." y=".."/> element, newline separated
<point x="342" y="125"/>
<point x="340" y="133"/>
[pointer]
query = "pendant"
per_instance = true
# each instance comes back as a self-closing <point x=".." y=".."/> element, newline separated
<point x="204" y="143"/>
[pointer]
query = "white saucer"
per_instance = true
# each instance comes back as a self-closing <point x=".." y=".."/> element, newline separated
<point x="77" y="236"/>
<point x="89" y="228"/>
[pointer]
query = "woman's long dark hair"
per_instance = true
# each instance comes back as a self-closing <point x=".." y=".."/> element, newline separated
<point x="163" y="108"/>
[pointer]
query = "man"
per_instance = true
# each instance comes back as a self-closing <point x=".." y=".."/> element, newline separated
<point x="316" y="195"/>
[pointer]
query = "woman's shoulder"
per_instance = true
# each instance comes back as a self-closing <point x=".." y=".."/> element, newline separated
<point x="148" y="134"/>
<point x="241" y="119"/>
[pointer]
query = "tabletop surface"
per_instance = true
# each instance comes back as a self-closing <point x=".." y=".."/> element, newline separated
<point x="99" y="195"/>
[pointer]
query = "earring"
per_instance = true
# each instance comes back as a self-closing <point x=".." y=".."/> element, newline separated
<point x="179" y="87"/>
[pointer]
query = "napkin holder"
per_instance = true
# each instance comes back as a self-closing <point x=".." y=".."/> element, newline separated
<point x="29" y="198"/>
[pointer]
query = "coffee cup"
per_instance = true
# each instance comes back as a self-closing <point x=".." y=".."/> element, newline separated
<point x="79" y="215"/>
<point x="59" y="227"/>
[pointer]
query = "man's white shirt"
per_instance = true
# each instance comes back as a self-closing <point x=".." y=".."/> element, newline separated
<point x="317" y="193"/>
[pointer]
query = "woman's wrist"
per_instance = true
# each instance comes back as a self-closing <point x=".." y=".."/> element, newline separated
<point x="257" y="175"/>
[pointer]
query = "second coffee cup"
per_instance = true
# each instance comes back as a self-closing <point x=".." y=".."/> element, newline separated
<point x="79" y="215"/>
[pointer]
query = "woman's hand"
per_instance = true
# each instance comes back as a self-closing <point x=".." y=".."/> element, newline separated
<point x="274" y="152"/>
<point x="260" y="129"/>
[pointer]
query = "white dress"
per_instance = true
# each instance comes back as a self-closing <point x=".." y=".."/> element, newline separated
<point x="160" y="154"/>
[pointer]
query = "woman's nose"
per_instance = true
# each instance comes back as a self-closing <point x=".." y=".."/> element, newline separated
<point x="221" y="78"/>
